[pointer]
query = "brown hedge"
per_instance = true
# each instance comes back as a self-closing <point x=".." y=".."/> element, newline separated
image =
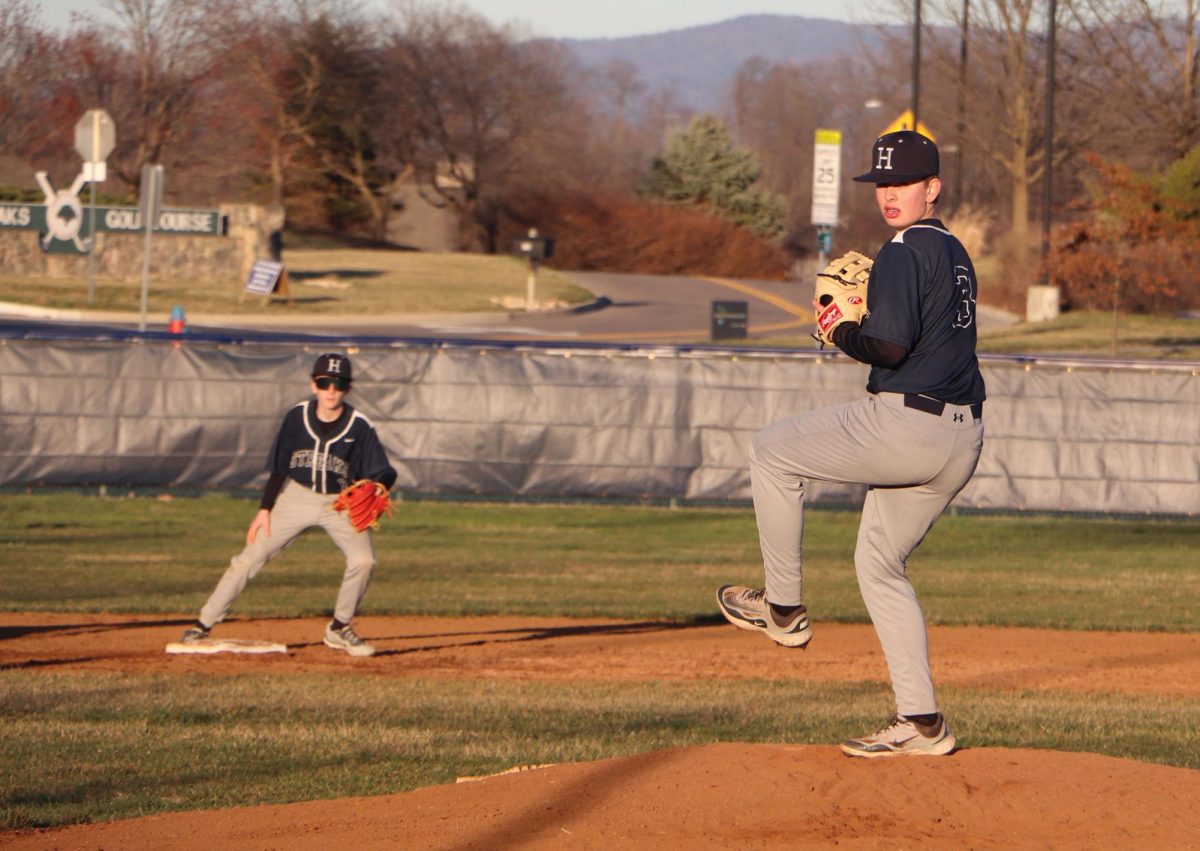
<point x="629" y="234"/>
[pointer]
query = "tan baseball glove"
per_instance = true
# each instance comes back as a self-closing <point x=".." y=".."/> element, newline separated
<point x="841" y="293"/>
<point x="364" y="502"/>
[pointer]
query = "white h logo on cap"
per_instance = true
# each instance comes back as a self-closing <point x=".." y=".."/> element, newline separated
<point x="885" y="158"/>
<point x="335" y="365"/>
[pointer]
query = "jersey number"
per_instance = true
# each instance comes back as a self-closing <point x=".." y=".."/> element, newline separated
<point x="966" y="295"/>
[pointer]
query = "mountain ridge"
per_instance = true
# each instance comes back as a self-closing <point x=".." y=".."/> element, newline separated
<point x="699" y="63"/>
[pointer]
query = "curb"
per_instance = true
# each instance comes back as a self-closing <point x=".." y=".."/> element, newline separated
<point x="237" y="320"/>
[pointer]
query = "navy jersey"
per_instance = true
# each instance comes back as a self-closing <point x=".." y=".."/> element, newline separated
<point x="328" y="459"/>
<point x="921" y="297"/>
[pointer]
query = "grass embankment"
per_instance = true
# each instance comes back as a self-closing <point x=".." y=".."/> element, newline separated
<point x="1081" y="334"/>
<point x="93" y="746"/>
<point x="1094" y="334"/>
<point x="322" y="281"/>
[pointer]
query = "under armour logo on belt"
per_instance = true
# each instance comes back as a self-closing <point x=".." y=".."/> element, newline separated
<point x="958" y="418"/>
<point x="885" y="159"/>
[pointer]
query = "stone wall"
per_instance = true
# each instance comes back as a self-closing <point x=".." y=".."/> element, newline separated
<point x="120" y="256"/>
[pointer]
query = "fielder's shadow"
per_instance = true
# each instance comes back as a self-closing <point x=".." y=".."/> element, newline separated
<point x="47" y="663"/>
<point x="515" y="635"/>
<point x="10" y="632"/>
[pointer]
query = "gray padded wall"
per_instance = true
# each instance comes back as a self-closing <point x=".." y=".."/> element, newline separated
<point x="496" y="420"/>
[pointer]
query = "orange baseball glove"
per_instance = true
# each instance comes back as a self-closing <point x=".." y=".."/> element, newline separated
<point x="364" y="502"/>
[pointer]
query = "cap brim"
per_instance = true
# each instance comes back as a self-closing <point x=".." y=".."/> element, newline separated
<point x="872" y="177"/>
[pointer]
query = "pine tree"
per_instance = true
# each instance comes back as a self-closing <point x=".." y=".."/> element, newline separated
<point x="701" y="166"/>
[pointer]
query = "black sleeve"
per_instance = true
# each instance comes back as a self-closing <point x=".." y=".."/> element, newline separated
<point x="850" y="338"/>
<point x="373" y="461"/>
<point x="271" y="491"/>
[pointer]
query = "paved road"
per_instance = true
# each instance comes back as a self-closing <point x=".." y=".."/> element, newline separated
<point x="629" y="309"/>
<point x="647" y="308"/>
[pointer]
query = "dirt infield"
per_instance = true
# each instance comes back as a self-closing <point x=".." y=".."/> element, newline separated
<point x="779" y="796"/>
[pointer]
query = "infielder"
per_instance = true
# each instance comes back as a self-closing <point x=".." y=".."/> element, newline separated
<point x="322" y="447"/>
<point x="914" y="439"/>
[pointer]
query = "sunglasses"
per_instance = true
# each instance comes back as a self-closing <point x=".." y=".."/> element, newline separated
<point x="327" y="381"/>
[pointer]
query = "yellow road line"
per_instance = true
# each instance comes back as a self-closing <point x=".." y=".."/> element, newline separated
<point x="685" y="334"/>
<point x="783" y="304"/>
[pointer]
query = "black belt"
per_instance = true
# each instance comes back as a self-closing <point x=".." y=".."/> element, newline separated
<point x="936" y="406"/>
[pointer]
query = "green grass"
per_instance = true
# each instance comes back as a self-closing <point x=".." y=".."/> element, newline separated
<point x="1076" y="334"/>
<point x="1091" y="334"/>
<point x="93" y="746"/>
<point x="323" y="280"/>
<point x="81" y="747"/>
<point x="143" y="555"/>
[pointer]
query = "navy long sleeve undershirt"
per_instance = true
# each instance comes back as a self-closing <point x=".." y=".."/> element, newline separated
<point x="850" y="338"/>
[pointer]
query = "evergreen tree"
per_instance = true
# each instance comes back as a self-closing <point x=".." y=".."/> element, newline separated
<point x="701" y="166"/>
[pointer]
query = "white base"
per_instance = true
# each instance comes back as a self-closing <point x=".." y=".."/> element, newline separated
<point x="226" y="645"/>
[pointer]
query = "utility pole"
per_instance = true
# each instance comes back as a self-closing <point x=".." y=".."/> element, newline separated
<point x="962" y="103"/>
<point x="1048" y="176"/>
<point x="916" y="67"/>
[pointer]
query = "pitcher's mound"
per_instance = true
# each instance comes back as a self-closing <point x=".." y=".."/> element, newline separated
<point x="717" y="797"/>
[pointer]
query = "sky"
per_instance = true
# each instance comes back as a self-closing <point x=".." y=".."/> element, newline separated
<point x="591" y="18"/>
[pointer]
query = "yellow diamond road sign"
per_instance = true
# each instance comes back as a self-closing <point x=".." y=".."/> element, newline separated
<point x="904" y="121"/>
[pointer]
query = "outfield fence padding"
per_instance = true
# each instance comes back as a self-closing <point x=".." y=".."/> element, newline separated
<point x="500" y="419"/>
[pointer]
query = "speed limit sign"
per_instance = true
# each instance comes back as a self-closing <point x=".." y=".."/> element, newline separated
<point x="827" y="165"/>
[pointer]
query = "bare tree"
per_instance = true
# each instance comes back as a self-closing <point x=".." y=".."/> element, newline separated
<point x="1147" y="57"/>
<point x="27" y="84"/>
<point x="1002" y="89"/>
<point x="303" y="79"/>
<point x="474" y="111"/>
<point x="777" y="109"/>
<point x="618" y="147"/>
<point x="271" y="88"/>
<point x="341" y="116"/>
<point x="154" y="89"/>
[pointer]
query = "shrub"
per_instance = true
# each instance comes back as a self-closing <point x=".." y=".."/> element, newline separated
<point x="1134" y="247"/>
<point x="627" y="234"/>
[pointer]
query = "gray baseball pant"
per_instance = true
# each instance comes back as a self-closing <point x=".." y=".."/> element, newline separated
<point x="915" y="463"/>
<point x="296" y="509"/>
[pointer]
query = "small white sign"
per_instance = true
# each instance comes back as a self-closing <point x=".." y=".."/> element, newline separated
<point x="263" y="276"/>
<point x="827" y="167"/>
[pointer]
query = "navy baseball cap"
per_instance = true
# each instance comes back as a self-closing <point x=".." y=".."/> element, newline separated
<point x="901" y="157"/>
<point x="333" y="364"/>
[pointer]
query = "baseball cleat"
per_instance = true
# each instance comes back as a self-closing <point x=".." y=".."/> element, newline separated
<point x="747" y="608"/>
<point x="904" y="737"/>
<point x="193" y="634"/>
<point x="346" y="639"/>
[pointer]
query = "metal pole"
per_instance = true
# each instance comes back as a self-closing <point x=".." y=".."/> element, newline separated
<point x="531" y="287"/>
<point x="149" y="209"/>
<point x="145" y="275"/>
<point x="916" y="67"/>
<point x="1048" y="174"/>
<point x="962" y="104"/>
<point x="92" y="212"/>
<point x="92" y="244"/>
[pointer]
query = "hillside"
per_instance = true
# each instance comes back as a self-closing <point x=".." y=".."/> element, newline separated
<point x="699" y="63"/>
